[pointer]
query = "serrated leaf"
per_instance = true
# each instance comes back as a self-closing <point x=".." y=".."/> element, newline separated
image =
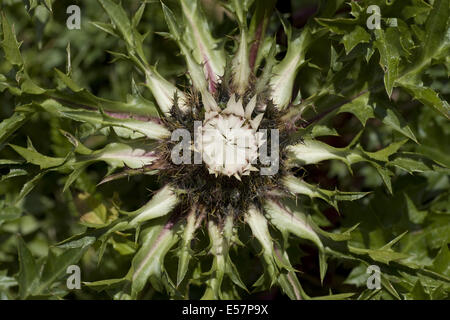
<point x="28" y="277"/>
<point x="437" y="29"/>
<point x="389" y="57"/>
<point x="148" y="263"/>
<point x="120" y="19"/>
<point x="34" y="157"/>
<point x="384" y="154"/>
<point x="352" y="39"/>
<point x="57" y="264"/>
<point x="206" y="50"/>
<point x="205" y="85"/>
<point x="277" y="266"/>
<point x="10" y="44"/>
<point x="441" y="263"/>
<point x="290" y="219"/>
<point x="297" y="186"/>
<point x="185" y="251"/>
<point x="136" y="105"/>
<point x="12" y="124"/>
<point x="133" y="128"/>
<point x="381" y="255"/>
<point x="428" y="97"/>
<point x="222" y="264"/>
<point x="415" y="215"/>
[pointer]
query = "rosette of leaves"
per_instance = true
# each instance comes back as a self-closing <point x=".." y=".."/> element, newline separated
<point x="204" y="225"/>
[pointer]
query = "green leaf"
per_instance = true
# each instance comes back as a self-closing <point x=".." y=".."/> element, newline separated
<point x="441" y="263"/>
<point x="185" y="252"/>
<point x="428" y="97"/>
<point x="340" y="296"/>
<point x="410" y="163"/>
<point x="285" y="72"/>
<point x="339" y="26"/>
<point x="384" y="254"/>
<point x="436" y="29"/>
<point x="12" y="124"/>
<point x="162" y="203"/>
<point x="10" y="44"/>
<point x="29" y="186"/>
<point x="138" y="15"/>
<point x="195" y="70"/>
<point x="352" y="39"/>
<point x="206" y="50"/>
<point x="291" y="219"/>
<point x="128" y="127"/>
<point x="366" y="107"/>
<point x="28" y="277"/>
<point x="32" y="156"/>
<point x="393" y="119"/>
<point x="120" y="20"/>
<point x="360" y="107"/>
<point x="9" y="213"/>
<point x="148" y="263"/>
<point x="415" y="215"/>
<point x="297" y="186"/>
<point x="222" y="264"/>
<point x="418" y="292"/>
<point x="57" y="264"/>
<point x="389" y="56"/>
<point x="276" y="261"/>
<point x="384" y="154"/>
<point x="136" y="104"/>
<point x="106" y="27"/>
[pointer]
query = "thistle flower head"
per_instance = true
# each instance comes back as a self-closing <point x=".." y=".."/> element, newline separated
<point x="229" y="139"/>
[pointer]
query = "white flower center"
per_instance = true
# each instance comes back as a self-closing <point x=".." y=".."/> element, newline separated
<point x="229" y="140"/>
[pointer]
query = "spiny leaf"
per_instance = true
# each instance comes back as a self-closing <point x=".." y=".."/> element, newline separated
<point x="285" y="72"/>
<point x="365" y="107"/>
<point x="10" y="44"/>
<point x="12" y="124"/>
<point x="161" y="204"/>
<point x="185" y="251"/>
<point x="133" y="128"/>
<point x="389" y="57"/>
<point x="206" y="50"/>
<point x="290" y="219"/>
<point x="120" y="19"/>
<point x="56" y="265"/>
<point x="148" y="263"/>
<point x="428" y="97"/>
<point x="352" y="39"/>
<point x="28" y="274"/>
<point x="222" y="264"/>
<point x="195" y="72"/>
<point x="34" y="157"/>
<point x="437" y="29"/>
<point x="276" y="262"/>
<point x="297" y="186"/>
<point x="136" y="104"/>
